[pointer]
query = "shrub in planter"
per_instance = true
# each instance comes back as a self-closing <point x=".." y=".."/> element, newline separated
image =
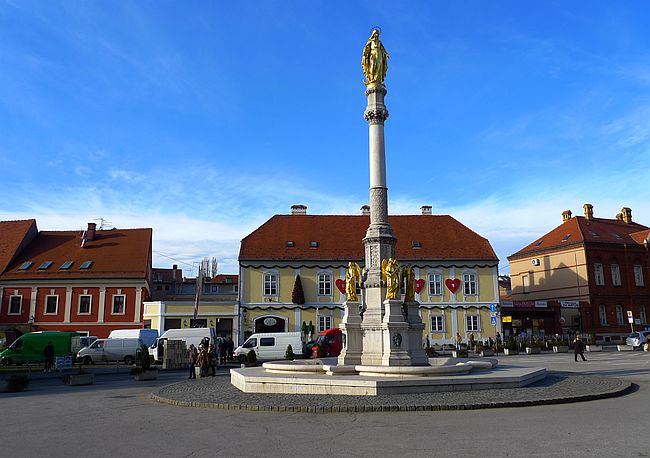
<point x="430" y="352"/>
<point x="251" y="358"/>
<point x="289" y="354"/>
<point x="17" y="382"/>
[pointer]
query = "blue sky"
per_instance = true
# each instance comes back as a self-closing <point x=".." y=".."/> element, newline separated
<point x="203" y="119"/>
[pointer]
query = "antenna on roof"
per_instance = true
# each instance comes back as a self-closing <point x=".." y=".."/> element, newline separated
<point x="104" y="224"/>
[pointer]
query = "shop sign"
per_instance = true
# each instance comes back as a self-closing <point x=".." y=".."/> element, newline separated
<point x="569" y="304"/>
<point x="523" y="304"/>
<point x="541" y="304"/>
<point x="506" y="303"/>
<point x="506" y="319"/>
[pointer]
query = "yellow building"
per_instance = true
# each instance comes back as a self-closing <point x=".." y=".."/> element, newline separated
<point x="456" y="271"/>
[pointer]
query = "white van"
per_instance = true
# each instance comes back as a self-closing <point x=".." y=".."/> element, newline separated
<point x="103" y="350"/>
<point x="148" y="336"/>
<point x="188" y="335"/>
<point x="269" y="345"/>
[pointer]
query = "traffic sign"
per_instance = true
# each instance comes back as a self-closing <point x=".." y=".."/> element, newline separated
<point x="493" y="320"/>
<point x="630" y="318"/>
<point x="493" y="307"/>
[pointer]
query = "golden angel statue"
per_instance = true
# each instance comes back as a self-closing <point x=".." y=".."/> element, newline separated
<point x="409" y="274"/>
<point x="352" y="279"/>
<point x="391" y="275"/>
<point x="374" y="60"/>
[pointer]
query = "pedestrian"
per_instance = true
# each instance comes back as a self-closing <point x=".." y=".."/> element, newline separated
<point x="472" y="342"/>
<point x="230" y="348"/>
<point x="192" y="355"/>
<point x="459" y="340"/>
<point x="578" y="348"/>
<point x="223" y="351"/>
<point x="203" y="360"/>
<point x="48" y="353"/>
<point x="214" y="362"/>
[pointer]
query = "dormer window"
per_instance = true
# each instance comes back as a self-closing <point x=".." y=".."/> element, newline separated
<point x="595" y="234"/>
<point x="539" y="243"/>
<point x="313" y="244"/>
<point x="291" y="243"/>
<point x="416" y="244"/>
<point x="66" y="265"/>
<point x="566" y="237"/>
<point x="86" y="265"/>
<point x="25" y="265"/>
<point x="618" y="236"/>
<point x="45" y="265"/>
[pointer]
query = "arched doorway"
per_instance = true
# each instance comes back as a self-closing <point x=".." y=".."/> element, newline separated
<point x="270" y="323"/>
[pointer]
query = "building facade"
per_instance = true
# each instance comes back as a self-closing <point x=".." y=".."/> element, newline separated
<point x="88" y="281"/>
<point x="588" y="274"/>
<point x="456" y="271"/>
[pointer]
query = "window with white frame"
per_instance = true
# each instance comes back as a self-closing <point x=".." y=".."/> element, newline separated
<point x="51" y="304"/>
<point x="324" y="323"/>
<point x="620" y="318"/>
<point x="437" y="323"/>
<point x="602" y="312"/>
<point x="324" y="284"/>
<point x="638" y="275"/>
<point x="469" y="284"/>
<point x="15" y="305"/>
<point x="472" y="323"/>
<point x="119" y="301"/>
<point x="435" y="284"/>
<point x="84" y="304"/>
<point x="642" y="315"/>
<point x="616" y="275"/>
<point x="598" y="274"/>
<point x="270" y="284"/>
<point x="524" y="283"/>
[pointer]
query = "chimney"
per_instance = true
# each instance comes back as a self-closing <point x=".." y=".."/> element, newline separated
<point x="425" y="209"/>
<point x="589" y="211"/>
<point x="566" y="215"/>
<point x="365" y="210"/>
<point x="299" y="209"/>
<point x="627" y="214"/>
<point x="90" y="233"/>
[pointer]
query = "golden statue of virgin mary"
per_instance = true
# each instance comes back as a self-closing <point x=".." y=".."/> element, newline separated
<point x="374" y="61"/>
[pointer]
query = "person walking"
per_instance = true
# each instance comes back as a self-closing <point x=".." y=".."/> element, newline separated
<point x="214" y="363"/>
<point x="578" y="348"/>
<point x="230" y="348"/>
<point x="192" y="355"/>
<point x="48" y="353"/>
<point x="203" y="360"/>
<point x="223" y="350"/>
<point x="459" y="340"/>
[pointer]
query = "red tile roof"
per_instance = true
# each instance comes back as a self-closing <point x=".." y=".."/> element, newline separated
<point x="641" y="237"/>
<point x="441" y="237"/>
<point x="13" y="236"/>
<point x="118" y="253"/>
<point x="580" y="229"/>
<point x="224" y="279"/>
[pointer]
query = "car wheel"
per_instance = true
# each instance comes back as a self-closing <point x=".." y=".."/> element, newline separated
<point x="128" y="360"/>
<point x="87" y="360"/>
<point x="6" y="362"/>
<point x="241" y="359"/>
<point x="644" y="346"/>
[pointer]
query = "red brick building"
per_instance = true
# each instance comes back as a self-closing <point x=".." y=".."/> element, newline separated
<point x="89" y="281"/>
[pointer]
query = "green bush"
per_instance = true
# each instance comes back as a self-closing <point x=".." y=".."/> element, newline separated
<point x="251" y="358"/>
<point x="17" y="382"/>
<point x="289" y="354"/>
<point x="145" y="361"/>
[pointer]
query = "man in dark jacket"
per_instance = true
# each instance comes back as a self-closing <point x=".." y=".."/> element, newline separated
<point x="231" y="347"/>
<point x="48" y="353"/>
<point x="579" y="348"/>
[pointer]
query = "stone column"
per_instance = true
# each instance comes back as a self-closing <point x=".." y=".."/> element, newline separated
<point x="352" y="338"/>
<point x="68" y="304"/>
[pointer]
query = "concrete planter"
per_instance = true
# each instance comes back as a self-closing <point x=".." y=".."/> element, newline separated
<point x="79" y="379"/>
<point x="509" y="352"/>
<point x="148" y="375"/>
<point x="561" y="349"/>
<point x="624" y="347"/>
<point x="533" y="350"/>
<point x="487" y="352"/>
<point x="594" y="348"/>
<point x="459" y="353"/>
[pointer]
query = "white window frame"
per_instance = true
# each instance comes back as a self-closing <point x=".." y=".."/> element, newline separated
<point x="642" y="314"/>
<point x="602" y="313"/>
<point x="638" y="275"/>
<point x="434" y="280"/>
<point x="324" y="283"/>
<point x="20" y="305"/>
<point x="439" y="321"/>
<point x="56" y="308"/>
<point x="123" y="312"/>
<point x="599" y="276"/>
<point x="323" y="320"/>
<point x="90" y="304"/>
<point x="525" y="284"/>
<point x="473" y="282"/>
<point x="273" y="283"/>
<point x="616" y="275"/>
<point x="620" y="316"/>
<point x="475" y="323"/>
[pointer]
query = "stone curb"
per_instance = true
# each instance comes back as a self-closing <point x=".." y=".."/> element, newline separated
<point x="625" y="388"/>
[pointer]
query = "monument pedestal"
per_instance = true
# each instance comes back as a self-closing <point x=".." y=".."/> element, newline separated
<point x="395" y="335"/>
<point x="416" y="329"/>
<point x="352" y="337"/>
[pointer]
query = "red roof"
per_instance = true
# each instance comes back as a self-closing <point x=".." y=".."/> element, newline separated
<point x="118" y="253"/>
<point x="580" y="229"/>
<point x="224" y="279"/>
<point x="340" y="237"/>
<point x="13" y="236"/>
<point x="641" y="237"/>
<point x="166" y="275"/>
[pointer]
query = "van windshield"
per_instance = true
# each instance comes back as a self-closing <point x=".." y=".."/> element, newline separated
<point x="17" y="345"/>
<point x="97" y="344"/>
<point x="634" y="335"/>
<point x="250" y="343"/>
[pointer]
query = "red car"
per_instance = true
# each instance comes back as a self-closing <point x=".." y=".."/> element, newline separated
<point x="331" y="342"/>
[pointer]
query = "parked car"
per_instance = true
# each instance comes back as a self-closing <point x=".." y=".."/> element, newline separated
<point x="148" y="336"/>
<point x="638" y="340"/>
<point x="331" y="341"/>
<point x="104" y="350"/>
<point x="28" y="348"/>
<point x="268" y="345"/>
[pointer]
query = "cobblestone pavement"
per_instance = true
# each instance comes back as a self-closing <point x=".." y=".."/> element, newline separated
<point x="217" y="392"/>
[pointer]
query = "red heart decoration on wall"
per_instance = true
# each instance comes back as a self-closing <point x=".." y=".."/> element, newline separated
<point x="419" y="285"/>
<point x="340" y="284"/>
<point x="452" y="285"/>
